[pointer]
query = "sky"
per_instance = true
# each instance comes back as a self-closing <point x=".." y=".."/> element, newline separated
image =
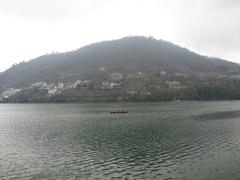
<point x="30" y="28"/>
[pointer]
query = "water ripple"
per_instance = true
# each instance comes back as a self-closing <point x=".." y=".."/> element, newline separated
<point x="158" y="142"/>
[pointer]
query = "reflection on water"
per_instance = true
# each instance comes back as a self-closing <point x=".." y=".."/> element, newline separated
<point x="152" y="141"/>
<point x="219" y="115"/>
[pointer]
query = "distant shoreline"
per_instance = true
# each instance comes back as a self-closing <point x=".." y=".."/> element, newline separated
<point x="108" y="102"/>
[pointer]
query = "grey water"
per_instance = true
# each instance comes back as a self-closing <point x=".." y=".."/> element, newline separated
<point x="170" y="140"/>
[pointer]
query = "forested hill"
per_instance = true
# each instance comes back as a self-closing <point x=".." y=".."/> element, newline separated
<point x="127" y="55"/>
<point x="129" y="69"/>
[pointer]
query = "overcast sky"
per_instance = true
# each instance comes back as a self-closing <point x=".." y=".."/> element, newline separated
<point x="30" y="28"/>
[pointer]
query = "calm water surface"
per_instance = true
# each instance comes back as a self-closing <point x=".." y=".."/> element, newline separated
<point x="185" y="140"/>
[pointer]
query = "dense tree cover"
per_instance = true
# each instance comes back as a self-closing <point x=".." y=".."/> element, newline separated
<point x="218" y="90"/>
<point x="200" y="77"/>
<point x="131" y="54"/>
<point x="28" y="96"/>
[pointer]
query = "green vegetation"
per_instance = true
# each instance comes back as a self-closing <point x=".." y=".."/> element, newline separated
<point x="129" y="69"/>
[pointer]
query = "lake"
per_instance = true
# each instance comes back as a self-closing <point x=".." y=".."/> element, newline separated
<point x="168" y="140"/>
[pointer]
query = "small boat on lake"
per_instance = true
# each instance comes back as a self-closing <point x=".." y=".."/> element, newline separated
<point x="118" y="112"/>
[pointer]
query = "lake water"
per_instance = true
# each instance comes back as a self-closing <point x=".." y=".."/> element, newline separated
<point x="185" y="140"/>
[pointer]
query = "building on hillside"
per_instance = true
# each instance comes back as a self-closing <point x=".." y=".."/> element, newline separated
<point x="40" y="85"/>
<point x="135" y="75"/>
<point x="163" y="73"/>
<point x="132" y="91"/>
<point x="86" y="83"/>
<point x="114" y="85"/>
<point x="76" y="84"/>
<point x="60" y="86"/>
<point x="10" y="92"/>
<point x="144" y="92"/>
<point x="173" y="84"/>
<point x="111" y="85"/>
<point x="52" y="91"/>
<point x="116" y="76"/>
<point x="105" y="85"/>
<point x="101" y="69"/>
<point x="182" y="75"/>
<point x="68" y="85"/>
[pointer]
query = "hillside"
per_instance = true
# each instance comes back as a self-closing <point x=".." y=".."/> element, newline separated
<point x="131" y="54"/>
<point x="158" y="62"/>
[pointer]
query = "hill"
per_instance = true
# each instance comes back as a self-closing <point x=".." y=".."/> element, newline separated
<point x="128" y="61"/>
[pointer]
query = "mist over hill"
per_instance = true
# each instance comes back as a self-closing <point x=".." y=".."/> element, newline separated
<point x="144" y="66"/>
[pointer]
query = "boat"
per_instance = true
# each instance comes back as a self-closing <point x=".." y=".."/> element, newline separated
<point x="118" y="112"/>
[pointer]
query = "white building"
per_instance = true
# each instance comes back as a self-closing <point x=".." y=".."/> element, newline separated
<point x="173" y="84"/>
<point x="40" y="85"/>
<point x="60" y="86"/>
<point x="135" y="75"/>
<point x="76" y="83"/>
<point x="10" y="92"/>
<point x="86" y="82"/>
<point x="101" y="69"/>
<point x="52" y="91"/>
<point x="163" y="73"/>
<point x="105" y="85"/>
<point x="111" y="85"/>
<point x="132" y="91"/>
<point x="114" y="85"/>
<point x="116" y="76"/>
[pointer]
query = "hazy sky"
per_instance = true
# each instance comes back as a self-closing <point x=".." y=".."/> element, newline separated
<point x="29" y="28"/>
